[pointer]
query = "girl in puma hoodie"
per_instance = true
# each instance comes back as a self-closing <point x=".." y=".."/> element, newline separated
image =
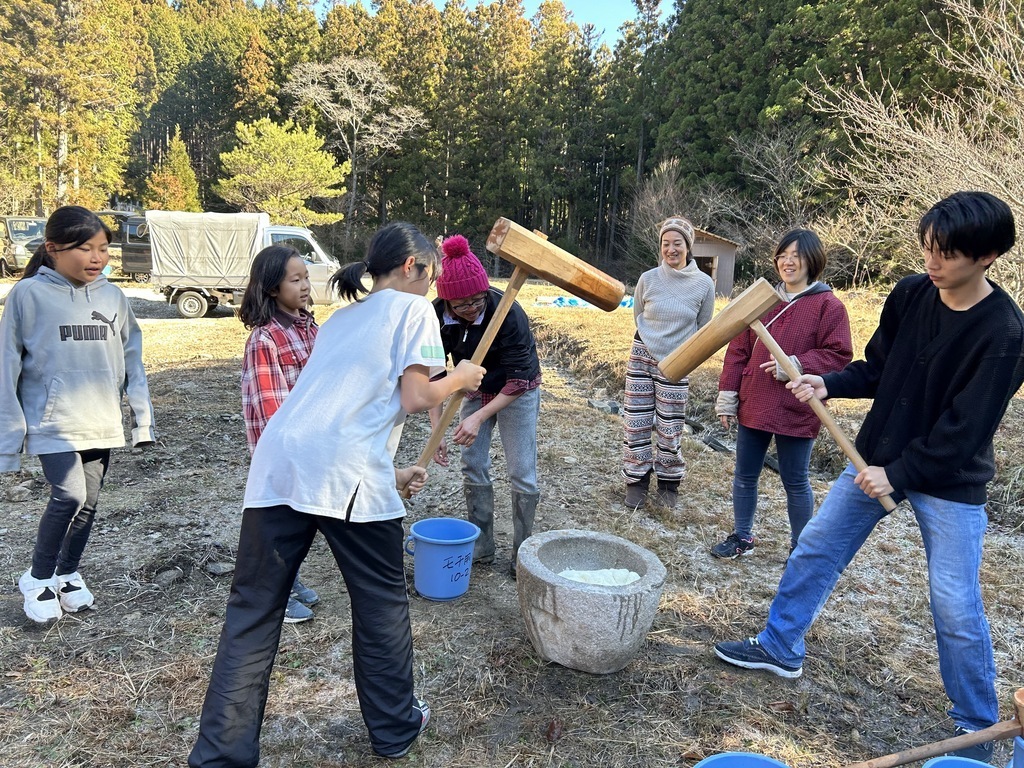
<point x="70" y="349"/>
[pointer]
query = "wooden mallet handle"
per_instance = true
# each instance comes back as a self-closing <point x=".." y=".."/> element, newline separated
<point x="490" y="333"/>
<point x="1007" y="729"/>
<point x="783" y="361"/>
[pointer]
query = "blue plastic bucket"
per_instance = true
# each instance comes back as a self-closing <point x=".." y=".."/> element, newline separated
<point x="442" y="548"/>
<point x="953" y="761"/>
<point x="739" y="760"/>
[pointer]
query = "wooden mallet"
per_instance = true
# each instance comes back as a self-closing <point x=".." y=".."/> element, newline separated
<point x="1007" y="729"/>
<point x="531" y="254"/>
<point x="742" y="312"/>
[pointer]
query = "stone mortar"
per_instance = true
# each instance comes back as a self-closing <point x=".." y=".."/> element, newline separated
<point x="588" y="627"/>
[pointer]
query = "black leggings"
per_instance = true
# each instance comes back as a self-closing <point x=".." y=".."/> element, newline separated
<point x="76" y="478"/>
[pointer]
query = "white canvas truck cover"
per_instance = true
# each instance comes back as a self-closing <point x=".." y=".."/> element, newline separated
<point x="204" y="250"/>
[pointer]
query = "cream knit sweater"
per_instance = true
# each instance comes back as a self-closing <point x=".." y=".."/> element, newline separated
<point x="670" y="305"/>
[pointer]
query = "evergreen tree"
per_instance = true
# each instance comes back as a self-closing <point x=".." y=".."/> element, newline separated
<point x="292" y="32"/>
<point x="344" y="32"/>
<point x="257" y="91"/>
<point x="172" y="186"/>
<point x="280" y="169"/>
<point x="201" y="94"/>
<point x="74" y="72"/>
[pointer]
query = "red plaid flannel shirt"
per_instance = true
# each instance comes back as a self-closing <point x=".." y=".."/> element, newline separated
<point x="274" y="356"/>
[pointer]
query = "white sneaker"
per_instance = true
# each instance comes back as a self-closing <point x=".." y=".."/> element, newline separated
<point x="41" y="603"/>
<point x="73" y="594"/>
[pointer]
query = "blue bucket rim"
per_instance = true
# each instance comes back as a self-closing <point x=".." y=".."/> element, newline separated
<point x="430" y="540"/>
<point x="953" y="760"/>
<point x="764" y="759"/>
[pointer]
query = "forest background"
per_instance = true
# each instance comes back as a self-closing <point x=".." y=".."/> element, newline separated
<point x="848" y="116"/>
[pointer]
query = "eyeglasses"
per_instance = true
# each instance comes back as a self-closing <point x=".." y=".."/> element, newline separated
<point x="474" y="304"/>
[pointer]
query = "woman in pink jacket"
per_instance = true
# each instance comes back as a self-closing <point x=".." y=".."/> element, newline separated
<point x="814" y="330"/>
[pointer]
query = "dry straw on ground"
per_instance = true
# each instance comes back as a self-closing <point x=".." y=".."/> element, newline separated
<point x="122" y="685"/>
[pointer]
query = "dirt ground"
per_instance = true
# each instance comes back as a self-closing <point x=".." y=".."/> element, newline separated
<point x="122" y="685"/>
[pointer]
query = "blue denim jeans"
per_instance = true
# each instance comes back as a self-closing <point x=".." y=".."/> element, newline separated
<point x="952" y="533"/>
<point x="517" y="423"/>
<point x="794" y="456"/>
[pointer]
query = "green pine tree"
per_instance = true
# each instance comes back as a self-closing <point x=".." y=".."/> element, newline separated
<point x="172" y="186"/>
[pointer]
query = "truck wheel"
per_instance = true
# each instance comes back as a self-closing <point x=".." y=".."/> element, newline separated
<point x="191" y="304"/>
<point x="141" y="277"/>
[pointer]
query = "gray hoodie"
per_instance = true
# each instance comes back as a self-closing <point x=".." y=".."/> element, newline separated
<point x="67" y="356"/>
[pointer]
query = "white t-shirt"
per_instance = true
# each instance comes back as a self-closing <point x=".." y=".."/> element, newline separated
<point x="330" y="437"/>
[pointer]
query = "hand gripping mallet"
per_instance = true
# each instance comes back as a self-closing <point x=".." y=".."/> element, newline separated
<point x="1007" y="729"/>
<point x="743" y="311"/>
<point x="531" y="254"/>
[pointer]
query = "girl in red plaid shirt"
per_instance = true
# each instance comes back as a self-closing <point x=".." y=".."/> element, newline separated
<point x="283" y="332"/>
<point x="814" y="330"/>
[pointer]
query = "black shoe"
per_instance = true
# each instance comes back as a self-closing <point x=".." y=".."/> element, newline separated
<point x="750" y="655"/>
<point x="980" y="752"/>
<point x="734" y="546"/>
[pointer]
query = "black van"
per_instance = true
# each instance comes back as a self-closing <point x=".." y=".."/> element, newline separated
<point x="136" y="254"/>
<point x="131" y="237"/>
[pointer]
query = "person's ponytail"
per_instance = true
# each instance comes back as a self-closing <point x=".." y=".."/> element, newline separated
<point x="41" y="258"/>
<point x="347" y="282"/>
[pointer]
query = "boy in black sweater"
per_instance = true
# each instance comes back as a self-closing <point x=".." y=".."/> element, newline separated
<point x="946" y="358"/>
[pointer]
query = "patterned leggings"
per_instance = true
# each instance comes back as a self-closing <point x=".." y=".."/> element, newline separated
<point x="652" y="401"/>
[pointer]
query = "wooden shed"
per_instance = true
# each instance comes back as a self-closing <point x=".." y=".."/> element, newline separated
<point x="716" y="257"/>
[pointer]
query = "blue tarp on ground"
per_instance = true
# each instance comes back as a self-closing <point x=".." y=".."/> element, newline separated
<point x="572" y="301"/>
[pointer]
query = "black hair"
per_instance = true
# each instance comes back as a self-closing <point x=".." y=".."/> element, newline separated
<point x="389" y="248"/>
<point x="809" y="246"/>
<point x="265" y="275"/>
<point x="68" y="226"/>
<point x="974" y="223"/>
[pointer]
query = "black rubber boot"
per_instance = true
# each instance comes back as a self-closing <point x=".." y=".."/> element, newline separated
<point x="524" y="509"/>
<point x="480" y="506"/>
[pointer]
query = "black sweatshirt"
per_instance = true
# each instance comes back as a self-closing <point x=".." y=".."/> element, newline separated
<point x="513" y="355"/>
<point x="941" y="381"/>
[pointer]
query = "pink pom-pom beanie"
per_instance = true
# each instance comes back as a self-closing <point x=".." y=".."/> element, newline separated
<point x="462" y="274"/>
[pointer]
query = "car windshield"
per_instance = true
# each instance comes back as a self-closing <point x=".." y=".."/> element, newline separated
<point x="26" y="229"/>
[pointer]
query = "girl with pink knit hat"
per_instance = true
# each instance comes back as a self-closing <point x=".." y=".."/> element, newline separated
<point x="670" y="303"/>
<point x="509" y="396"/>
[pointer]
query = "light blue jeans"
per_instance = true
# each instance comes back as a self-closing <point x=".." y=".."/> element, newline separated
<point x="952" y="534"/>
<point x="517" y="423"/>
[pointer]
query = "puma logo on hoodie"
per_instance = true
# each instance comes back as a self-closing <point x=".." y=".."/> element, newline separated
<point x="98" y="316"/>
<point x="89" y="332"/>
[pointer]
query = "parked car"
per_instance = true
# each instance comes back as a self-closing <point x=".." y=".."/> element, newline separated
<point x="202" y="259"/>
<point x="19" y="237"/>
<point x="131" y="243"/>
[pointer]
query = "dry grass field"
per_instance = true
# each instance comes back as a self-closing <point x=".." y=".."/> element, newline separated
<point x="122" y="685"/>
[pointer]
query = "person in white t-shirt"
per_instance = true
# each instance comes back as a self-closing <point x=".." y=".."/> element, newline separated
<point x="323" y="464"/>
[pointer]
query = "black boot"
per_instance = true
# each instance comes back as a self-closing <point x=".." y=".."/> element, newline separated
<point x="480" y="505"/>
<point x="524" y="509"/>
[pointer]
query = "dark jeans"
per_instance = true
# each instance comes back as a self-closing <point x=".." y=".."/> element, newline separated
<point x="794" y="457"/>
<point x="75" y="479"/>
<point x="272" y="543"/>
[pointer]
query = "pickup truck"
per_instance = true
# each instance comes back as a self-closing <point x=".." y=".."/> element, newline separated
<point x="201" y="260"/>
